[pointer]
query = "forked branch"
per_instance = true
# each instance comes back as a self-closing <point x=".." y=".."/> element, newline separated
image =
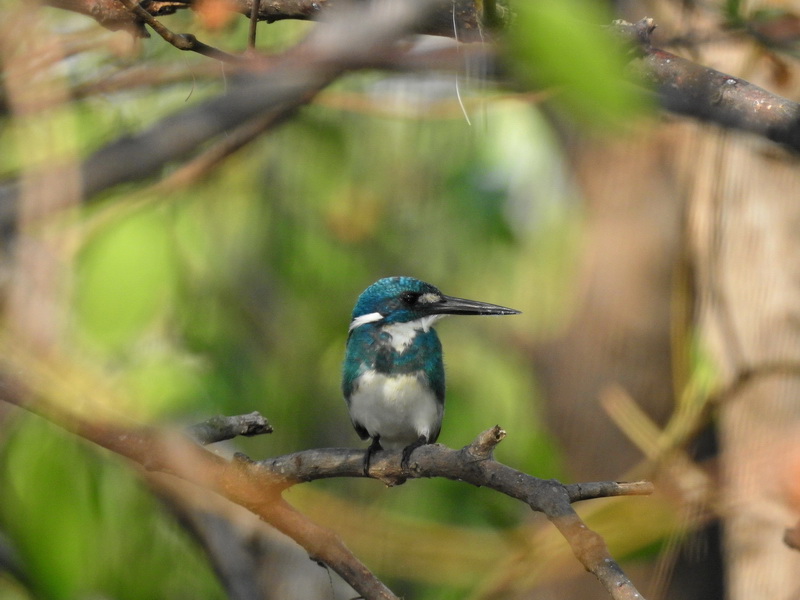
<point x="258" y="486"/>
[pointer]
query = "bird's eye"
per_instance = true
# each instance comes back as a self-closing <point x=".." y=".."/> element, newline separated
<point x="409" y="298"/>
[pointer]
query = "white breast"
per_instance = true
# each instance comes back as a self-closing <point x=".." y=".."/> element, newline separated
<point x="399" y="409"/>
<point x="404" y="333"/>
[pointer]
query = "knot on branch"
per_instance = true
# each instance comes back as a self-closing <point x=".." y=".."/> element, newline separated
<point x="791" y="537"/>
<point x="482" y="447"/>
<point x="220" y="428"/>
<point x="633" y="35"/>
<point x="185" y="41"/>
<point x="241" y="460"/>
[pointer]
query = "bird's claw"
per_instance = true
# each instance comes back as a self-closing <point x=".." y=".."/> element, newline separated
<point x="408" y="450"/>
<point x="366" y="463"/>
<point x="371" y="449"/>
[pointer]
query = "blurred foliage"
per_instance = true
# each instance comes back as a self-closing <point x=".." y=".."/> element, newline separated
<point x="563" y="45"/>
<point x="234" y="294"/>
<point x="83" y="523"/>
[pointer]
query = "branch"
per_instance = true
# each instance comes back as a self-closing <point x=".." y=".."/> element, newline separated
<point x="239" y="480"/>
<point x="182" y="41"/>
<point x="791" y="537"/>
<point x="111" y="14"/>
<point x="251" y="36"/>
<point x="271" y="94"/>
<point x="693" y="90"/>
<point x="221" y="428"/>
<point x="474" y="464"/>
<point x="746" y="374"/>
<point x="456" y="18"/>
<point x="258" y="486"/>
<point x="261" y="100"/>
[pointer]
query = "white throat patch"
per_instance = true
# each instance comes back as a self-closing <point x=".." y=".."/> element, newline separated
<point x="369" y="318"/>
<point x="404" y="333"/>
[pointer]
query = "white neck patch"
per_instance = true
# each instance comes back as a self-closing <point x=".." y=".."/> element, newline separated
<point x="404" y="333"/>
<point x="369" y="318"/>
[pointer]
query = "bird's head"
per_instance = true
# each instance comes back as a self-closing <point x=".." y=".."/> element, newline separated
<point x="405" y="299"/>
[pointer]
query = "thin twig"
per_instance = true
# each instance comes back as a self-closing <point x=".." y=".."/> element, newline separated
<point x="258" y="485"/>
<point x="113" y="17"/>
<point x="791" y="537"/>
<point x="251" y="38"/>
<point x="221" y="428"/>
<point x="182" y="41"/>
<point x="749" y="373"/>
<point x="241" y="481"/>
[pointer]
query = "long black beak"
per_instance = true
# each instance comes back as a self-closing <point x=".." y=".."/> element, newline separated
<point x="460" y="306"/>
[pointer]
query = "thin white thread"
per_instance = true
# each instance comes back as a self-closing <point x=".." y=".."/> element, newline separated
<point x="458" y="50"/>
<point x="194" y="79"/>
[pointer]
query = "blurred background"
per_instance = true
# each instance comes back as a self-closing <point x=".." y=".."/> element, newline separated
<point x="654" y="259"/>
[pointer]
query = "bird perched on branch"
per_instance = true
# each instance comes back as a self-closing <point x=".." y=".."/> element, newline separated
<point x="393" y="375"/>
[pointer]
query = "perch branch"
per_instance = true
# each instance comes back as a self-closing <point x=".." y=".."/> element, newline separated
<point x="238" y="480"/>
<point x="473" y="464"/>
<point x="258" y="486"/>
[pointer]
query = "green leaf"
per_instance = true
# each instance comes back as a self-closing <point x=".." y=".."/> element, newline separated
<point x="563" y="46"/>
<point x="125" y="279"/>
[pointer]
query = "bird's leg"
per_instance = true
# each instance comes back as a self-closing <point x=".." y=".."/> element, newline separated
<point x="373" y="447"/>
<point x="421" y="441"/>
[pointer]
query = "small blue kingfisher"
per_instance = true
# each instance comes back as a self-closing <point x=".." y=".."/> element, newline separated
<point x="393" y="376"/>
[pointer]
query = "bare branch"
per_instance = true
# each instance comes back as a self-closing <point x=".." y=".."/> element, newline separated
<point x="267" y="96"/>
<point x="204" y="163"/>
<point x="240" y="481"/>
<point x="456" y="18"/>
<point x="220" y="428"/>
<point x="473" y="464"/>
<point x="182" y="41"/>
<point x="251" y="37"/>
<point x="258" y="485"/>
<point x="272" y="94"/>
<point x="261" y="100"/>
<point x="693" y="90"/>
<point x="792" y="537"/>
<point x="108" y="13"/>
<point x="749" y="373"/>
<point x="607" y="489"/>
